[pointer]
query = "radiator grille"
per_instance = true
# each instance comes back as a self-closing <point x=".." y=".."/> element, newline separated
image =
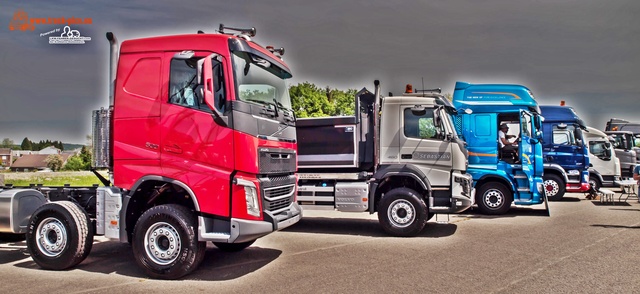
<point x="278" y="192"/>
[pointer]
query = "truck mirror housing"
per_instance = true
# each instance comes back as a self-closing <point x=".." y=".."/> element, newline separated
<point x="206" y="79"/>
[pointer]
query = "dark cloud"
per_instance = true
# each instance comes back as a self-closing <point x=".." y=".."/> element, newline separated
<point x="583" y="52"/>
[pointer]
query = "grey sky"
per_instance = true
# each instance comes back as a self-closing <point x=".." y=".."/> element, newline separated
<point x="582" y="51"/>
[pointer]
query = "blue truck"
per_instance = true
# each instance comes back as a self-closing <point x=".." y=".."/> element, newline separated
<point x="501" y="180"/>
<point x="563" y="144"/>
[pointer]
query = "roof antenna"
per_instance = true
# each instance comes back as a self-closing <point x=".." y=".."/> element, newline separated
<point x="422" y="82"/>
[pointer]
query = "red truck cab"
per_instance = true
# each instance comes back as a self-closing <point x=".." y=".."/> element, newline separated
<point x="204" y="121"/>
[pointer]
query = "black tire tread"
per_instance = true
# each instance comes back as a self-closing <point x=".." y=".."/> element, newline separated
<point x="186" y="220"/>
<point x="80" y="238"/>
<point x="508" y="198"/>
<point x="421" y="212"/>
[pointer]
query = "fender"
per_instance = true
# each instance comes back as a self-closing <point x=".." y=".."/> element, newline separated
<point x="405" y="170"/>
<point x="558" y="168"/>
<point x="127" y="198"/>
<point x="596" y="174"/>
<point x="491" y="174"/>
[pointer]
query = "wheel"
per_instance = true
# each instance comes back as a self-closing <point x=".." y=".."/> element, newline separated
<point x="402" y="212"/>
<point x="165" y="243"/>
<point x="233" y="247"/>
<point x="595" y="183"/>
<point x="493" y="198"/>
<point x="10" y="237"/>
<point x="59" y="236"/>
<point x="554" y="187"/>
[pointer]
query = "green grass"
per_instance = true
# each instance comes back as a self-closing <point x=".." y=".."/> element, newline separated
<point x="52" y="179"/>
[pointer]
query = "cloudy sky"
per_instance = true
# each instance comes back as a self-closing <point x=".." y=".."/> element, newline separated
<point x="582" y="51"/>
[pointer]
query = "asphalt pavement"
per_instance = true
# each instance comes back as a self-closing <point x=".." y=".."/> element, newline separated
<point x="583" y="247"/>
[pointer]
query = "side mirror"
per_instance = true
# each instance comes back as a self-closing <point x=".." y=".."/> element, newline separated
<point x="437" y="120"/>
<point x="206" y="79"/>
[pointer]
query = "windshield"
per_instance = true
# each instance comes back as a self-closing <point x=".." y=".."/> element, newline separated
<point x="259" y="81"/>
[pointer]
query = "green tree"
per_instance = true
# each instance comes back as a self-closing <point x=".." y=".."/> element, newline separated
<point x="85" y="157"/>
<point x="74" y="163"/>
<point x="26" y="144"/>
<point x="54" y="162"/>
<point x="309" y="100"/>
<point x="6" y="143"/>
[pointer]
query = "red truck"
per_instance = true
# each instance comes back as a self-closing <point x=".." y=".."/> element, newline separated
<point x="200" y="143"/>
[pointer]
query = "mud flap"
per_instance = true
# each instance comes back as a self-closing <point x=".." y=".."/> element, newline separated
<point x="546" y="204"/>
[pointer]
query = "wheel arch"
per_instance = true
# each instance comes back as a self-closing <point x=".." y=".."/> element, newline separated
<point x="553" y="168"/>
<point x="393" y="176"/>
<point x="150" y="191"/>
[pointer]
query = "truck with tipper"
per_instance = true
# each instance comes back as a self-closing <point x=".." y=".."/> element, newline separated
<point x="500" y="178"/>
<point x="605" y="165"/>
<point x="199" y="143"/>
<point x="398" y="156"/>
<point x="626" y="134"/>
<point x="564" y="145"/>
<point x="624" y="146"/>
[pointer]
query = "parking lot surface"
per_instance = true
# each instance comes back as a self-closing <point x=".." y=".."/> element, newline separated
<point x="584" y="247"/>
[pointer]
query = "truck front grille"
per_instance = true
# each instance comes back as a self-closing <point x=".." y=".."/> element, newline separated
<point x="278" y="192"/>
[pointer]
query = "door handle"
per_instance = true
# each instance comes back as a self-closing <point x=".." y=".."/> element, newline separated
<point x="172" y="149"/>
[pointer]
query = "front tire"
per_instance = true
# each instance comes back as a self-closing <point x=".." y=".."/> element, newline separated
<point x="595" y="183"/>
<point x="402" y="212"/>
<point x="493" y="199"/>
<point x="233" y="247"/>
<point x="554" y="187"/>
<point x="59" y="235"/>
<point x="165" y="243"/>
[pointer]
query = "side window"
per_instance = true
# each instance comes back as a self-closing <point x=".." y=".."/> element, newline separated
<point x="560" y="138"/>
<point x="564" y="136"/>
<point x="596" y="148"/>
<point x="419" y="125"/>
<point x="184" y="89"/>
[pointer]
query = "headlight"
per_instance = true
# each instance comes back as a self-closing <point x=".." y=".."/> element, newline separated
<point x="250" y="194"/>
<point x="586" y="178"/>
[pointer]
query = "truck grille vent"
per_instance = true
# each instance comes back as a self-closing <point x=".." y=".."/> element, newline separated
<point x="278" y="197"/>
<point x="274" y="161"/>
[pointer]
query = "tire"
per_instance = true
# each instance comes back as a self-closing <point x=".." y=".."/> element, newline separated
<point x="595" y="183"/>
<point x="233" y="247"/>
<point x="554" y="187"/>
<point x="402" y="212"/>
<point x="176" y="252"/>
<point x="10" y="237"/>
<point x="60" y="235"/>
<point x="494" y="198"/>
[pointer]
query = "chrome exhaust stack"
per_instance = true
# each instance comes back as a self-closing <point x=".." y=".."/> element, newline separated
<point x="113" y="63"/>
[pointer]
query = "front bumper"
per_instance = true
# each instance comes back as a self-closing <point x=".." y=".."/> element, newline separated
<point x="577" y="187"/>
<point x="241" y="230"/>
<point x="462" y="203"/>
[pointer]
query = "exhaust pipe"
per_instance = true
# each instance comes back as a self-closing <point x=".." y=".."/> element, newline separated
<point x="376" y="126"/>
<point x="113" y="63"/>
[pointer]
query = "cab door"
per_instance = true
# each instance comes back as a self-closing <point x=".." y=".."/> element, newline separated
<point x="422" y="139"/>
<point x="527" y="147"/>
<point x="194" y="148"/>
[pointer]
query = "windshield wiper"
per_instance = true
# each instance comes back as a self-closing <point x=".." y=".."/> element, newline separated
<point x="270" y="109"/>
